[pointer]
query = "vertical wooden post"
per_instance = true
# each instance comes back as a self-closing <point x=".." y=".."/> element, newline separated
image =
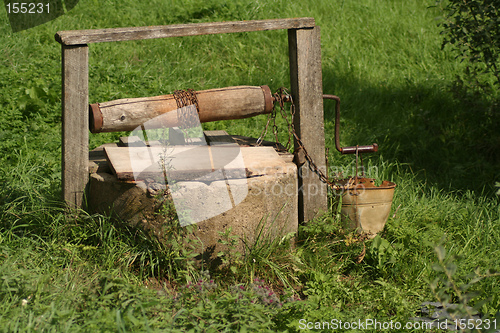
<point x="307" y="90"/>
<point x="75" y="126"/>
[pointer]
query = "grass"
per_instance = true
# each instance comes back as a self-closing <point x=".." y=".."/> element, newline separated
<point x="438" y="142"/>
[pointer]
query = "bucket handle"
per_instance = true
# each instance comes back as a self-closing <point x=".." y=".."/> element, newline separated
<point x="351" y="149"/>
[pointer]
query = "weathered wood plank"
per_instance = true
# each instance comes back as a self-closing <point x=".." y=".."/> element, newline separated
<point x="307" y="91"/>
<point x="193" y="162"/>
<point x="97" y="159"/>
<point x="72" y="37"/>
<point x="131" y="141"/>
<point x="219" y="137"/>
<point x="75" y="124"/>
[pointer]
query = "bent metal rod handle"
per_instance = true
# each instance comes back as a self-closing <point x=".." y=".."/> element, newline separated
<point x="351" y="149"/>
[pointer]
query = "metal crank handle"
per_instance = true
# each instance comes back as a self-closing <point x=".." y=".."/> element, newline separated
<point x="361" y="149"/>
<point x="351" y="149"/>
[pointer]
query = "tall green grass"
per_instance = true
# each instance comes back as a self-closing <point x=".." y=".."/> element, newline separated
<point x="398" y="88"/>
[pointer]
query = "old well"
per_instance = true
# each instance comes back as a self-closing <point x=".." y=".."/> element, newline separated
<point x="261" y="201"/>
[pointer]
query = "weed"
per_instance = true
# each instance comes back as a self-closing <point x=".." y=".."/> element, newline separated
<point x="267" y="256"/>
<point x="230" y="256"/>
<point x="464" y="293"/>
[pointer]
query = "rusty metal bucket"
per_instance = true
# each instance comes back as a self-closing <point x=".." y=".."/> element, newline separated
<point x="365" y="206"/>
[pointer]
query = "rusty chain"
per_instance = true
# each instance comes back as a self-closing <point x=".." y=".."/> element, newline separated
<point x="272" y="115"/>
<point x="184" y="98"/>
<point x="280" y="100"/>
<point x="281" y="97"/>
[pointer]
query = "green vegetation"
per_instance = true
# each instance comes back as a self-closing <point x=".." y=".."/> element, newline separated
<point x="473" y="30"/>
<point x="438" y="142"/>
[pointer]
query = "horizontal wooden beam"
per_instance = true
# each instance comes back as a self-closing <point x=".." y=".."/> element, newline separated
<point x="76" y="37"/>
<point x="128" y="114"/>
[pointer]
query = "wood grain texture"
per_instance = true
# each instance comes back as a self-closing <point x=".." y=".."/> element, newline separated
<point x="307" y="91"/>
<point x="75" y="124"/>
<point x="184" y="163"/>
<point x="214" y="104"/>
<point x="131" y="141"/>
<point x="97" y="159"/>
<point x="218" y="137"/>
<point x="73" y="37"/>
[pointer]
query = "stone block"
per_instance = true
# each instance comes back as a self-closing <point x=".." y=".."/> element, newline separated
<point x="266" y="201"/>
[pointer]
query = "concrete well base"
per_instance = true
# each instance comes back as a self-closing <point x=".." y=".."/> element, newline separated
<point x="269" y="209"/>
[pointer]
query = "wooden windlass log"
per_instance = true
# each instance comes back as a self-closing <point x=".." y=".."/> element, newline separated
<point x="212" y="105"/>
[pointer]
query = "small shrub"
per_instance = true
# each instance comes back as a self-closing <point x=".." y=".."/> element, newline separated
<point x="472" y="28"/>
<point x="463" y="292"/>
<point x="200" y="305"/>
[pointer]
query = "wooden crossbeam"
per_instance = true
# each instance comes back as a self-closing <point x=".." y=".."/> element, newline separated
<point x="75" y="37"/>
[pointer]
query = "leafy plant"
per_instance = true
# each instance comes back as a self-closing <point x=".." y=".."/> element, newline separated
<point x="271" y="255"/>
<point x="175" y="247"/>
<point x="381" y="253"/>
<point x="230" y="256"/>
<point x="35" y="98"/>
<point x="267" y="256"/>
<point x="458" y="296"/>
<point x="472" y="28"/>
<point x="203" y="306"/>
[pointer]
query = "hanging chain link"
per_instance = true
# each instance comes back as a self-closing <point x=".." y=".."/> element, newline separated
<point x="280" y="98"/>
<point x="271" y="116"/>
<point x="184" y="98"/>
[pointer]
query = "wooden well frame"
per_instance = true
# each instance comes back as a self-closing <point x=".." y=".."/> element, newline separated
<point x="306" y="89"/>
